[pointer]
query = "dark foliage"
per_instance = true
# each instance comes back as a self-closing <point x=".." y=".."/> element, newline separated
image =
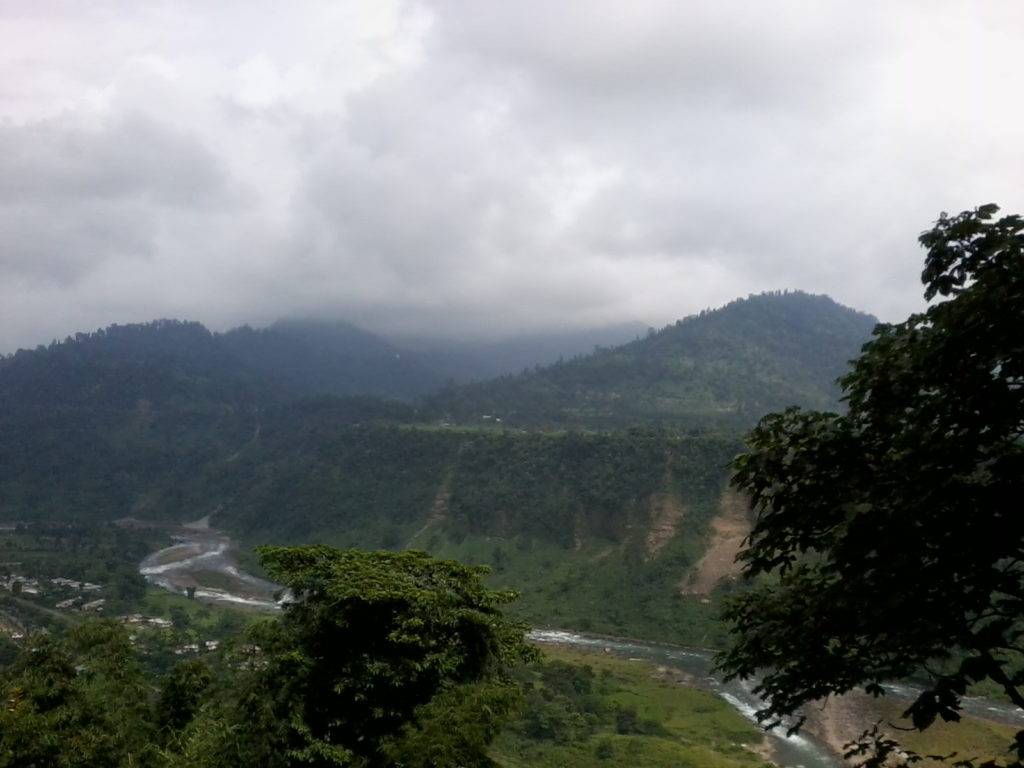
<point x="374" y="653"/>
<point x="380" y="660"/>
<point x="896" y="529"/>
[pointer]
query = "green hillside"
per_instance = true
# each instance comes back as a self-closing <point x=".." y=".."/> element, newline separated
<point x="724" y="367"/>
<point x="565" y="518"/>
<point x="171" y="359"/>
<point x="599" y="529"/>
<point x="574" y="522"/>
<point x="330" y="358"/>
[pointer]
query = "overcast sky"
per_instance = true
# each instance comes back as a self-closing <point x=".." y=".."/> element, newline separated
<point x="484" y="168"/>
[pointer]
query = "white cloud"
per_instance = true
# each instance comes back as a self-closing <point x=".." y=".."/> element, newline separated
<point x="487" y="167"/>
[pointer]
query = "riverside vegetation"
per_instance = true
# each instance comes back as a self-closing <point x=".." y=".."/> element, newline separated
<point x="432" y="675"/>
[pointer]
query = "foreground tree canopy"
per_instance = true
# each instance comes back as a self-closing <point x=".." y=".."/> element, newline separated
<point x="375" y="649"/>
<point x="380" y="659"/>
<point x="890" y="540"/>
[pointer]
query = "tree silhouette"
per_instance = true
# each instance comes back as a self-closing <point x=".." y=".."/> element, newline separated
<point x="893" y="534"/>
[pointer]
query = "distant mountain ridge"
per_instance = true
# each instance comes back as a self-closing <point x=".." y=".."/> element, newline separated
<point x="331" y="358"/>
<point x="465" y="362"/>
<point x="113" y="368"/>
<point x="721" y="367"/>
<point x="289" y="358"/>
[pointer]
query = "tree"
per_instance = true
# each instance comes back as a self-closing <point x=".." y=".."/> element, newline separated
<point x="377" y="655"/>
<point x="889" y="540"/>
<point x="77" y="701"/>
<point x="127" y="586"/>
<point x="180" y="619"/>
<point x="181" y="692"/>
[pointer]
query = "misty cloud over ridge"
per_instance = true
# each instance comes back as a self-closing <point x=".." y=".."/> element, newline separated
<point x="478" y="169"/>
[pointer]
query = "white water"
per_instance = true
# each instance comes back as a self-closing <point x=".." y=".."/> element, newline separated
<point x="185" y="564"/>
<point x="177" y="571"/>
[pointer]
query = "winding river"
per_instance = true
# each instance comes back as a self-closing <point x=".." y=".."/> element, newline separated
<point x="199" y="556"/>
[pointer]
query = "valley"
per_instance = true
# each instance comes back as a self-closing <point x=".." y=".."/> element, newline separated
<point x="199" y="553"/>
<point x="571" y="509"/>
<point x="596" y="489"/>
<point x="200" y="565"/>
<point x="444" y="384"/>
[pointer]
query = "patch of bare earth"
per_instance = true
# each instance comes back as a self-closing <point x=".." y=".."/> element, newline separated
<point x="9" y="625"/>
<point x="438" y="509"/>
<point x="728" y="530"/>
<point x="838" y="720"/>
<point x="764" y="750"/>
<point x="578" y="529"/>
<point x="666" y="514"/>
<point x="202" y="524"/>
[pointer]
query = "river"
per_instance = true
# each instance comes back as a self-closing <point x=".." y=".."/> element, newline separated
<point x="199" y="555"/>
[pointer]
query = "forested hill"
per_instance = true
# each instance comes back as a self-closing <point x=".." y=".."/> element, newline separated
<point x="330" y="358"/>
<point x="182" y="362"/>
<point x="163" y="362"/>
<point x="722" y="368"/>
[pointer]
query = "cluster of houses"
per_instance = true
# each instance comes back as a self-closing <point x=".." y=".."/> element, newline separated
<point x="205" y="645"/>
<point x="77" y="604"/>
<point x="28" y="586"/>
<point x="84" y="586"/>
<point x="137" y="619"/>
<point x="81" y="596"/>
<point x="20" y="585"/>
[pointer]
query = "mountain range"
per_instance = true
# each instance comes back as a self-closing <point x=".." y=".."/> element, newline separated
<point x="595" y="485"/>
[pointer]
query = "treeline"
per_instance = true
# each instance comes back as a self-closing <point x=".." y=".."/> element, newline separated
<point x="328" y="467"/>
<point x="179" y="362"/>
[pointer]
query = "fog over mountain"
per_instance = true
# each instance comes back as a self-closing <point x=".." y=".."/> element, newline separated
<point x="487" y="170"/>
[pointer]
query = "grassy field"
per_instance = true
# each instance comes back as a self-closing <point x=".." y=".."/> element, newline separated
<point x="587" y="589"/>
<point x="981" y="740"/>
<point x="591" y="709"/>
<point x="206" y="621"/>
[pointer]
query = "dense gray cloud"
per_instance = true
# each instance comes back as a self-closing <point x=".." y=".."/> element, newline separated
<point x="485" y="168"/>
<point x="73" y="196"/>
